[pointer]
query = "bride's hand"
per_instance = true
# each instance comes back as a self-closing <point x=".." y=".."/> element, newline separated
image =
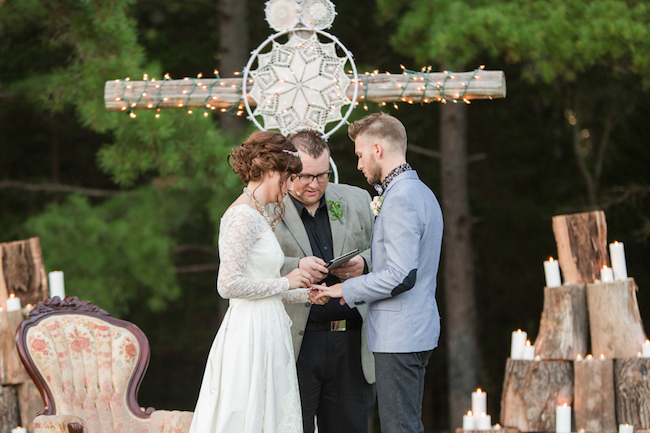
<point x="298" y="278"/>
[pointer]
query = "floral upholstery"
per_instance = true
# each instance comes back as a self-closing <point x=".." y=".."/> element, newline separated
<point x="88" y="365"/>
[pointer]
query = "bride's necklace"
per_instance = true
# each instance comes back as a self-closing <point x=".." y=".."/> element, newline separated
<point x="259" y="207"/>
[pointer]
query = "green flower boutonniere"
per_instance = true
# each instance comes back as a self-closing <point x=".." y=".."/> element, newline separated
<point x="336" y="210"/>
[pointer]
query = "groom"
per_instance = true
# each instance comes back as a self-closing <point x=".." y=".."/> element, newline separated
<point x="403" y="318"/>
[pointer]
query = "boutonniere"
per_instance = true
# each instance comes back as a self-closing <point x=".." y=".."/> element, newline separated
<point x="336" y="210"/>
<point x="375" y="206"/>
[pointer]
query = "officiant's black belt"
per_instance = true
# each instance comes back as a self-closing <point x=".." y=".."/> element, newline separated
<point x="335" y="325"/>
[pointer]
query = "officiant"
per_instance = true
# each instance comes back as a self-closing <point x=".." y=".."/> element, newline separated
<point x="322" y="221"/>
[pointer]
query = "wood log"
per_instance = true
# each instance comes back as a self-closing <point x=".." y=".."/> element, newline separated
<point x="9" y="411"/>
<point x="11" y="368"/>
<point x="615" y="321"/>
<point x="121" y="95"/>
<point x="22" y="272"/>
<point x="30" y="404"/>
<point x="531" y="392"/>
<point x="564" y="325"/>
<point x="593" y="394"/>
<point x="632" y="386"/>
<point x="581" y="245"/>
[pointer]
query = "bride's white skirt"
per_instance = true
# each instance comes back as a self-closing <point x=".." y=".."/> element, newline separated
<point x="250" y="383"/>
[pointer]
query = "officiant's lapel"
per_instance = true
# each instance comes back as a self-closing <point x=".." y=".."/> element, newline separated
<point x="296" y="227"/>
<point x="338" y="229"/>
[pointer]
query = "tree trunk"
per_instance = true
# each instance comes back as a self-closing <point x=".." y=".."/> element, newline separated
<point x="593" y="395"/>
<point x="458" y="272"/>
<point x="9" y="411"/>
<point x="632" y="392"/>
<point x="233" y="37"/>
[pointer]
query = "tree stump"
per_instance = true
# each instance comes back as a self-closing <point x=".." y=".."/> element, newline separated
<point x="632" y="385"/>
<point x="12" y="371"/>
<point x="30" y="403"/>
<point x="581" y="245"/>
<point x="563" y="328"/>
<point x="531" y="392"/>
<point x="9" y="412"/>
<point x="615" y="321"/>
<point x="22" y="272"/>
<point x="593" y="405"/>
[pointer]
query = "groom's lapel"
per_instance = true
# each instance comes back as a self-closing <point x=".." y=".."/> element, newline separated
<point x="338" y="228"/>
<point x="296" y="227"/>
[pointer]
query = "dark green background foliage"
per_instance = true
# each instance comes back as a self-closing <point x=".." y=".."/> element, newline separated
<point x="572" y="135"/>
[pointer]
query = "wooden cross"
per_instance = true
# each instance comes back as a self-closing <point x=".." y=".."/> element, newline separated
<point x="222" y="94"/>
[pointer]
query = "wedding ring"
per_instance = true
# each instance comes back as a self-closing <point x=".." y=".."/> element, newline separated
<point x="347" y="275"/>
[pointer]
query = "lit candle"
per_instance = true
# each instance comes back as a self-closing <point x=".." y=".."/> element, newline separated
<point x="517" y="345"/>
<point x="625" y="428"/>
<point x="56" y="284"/>
<point x="19" y="429"/>
<point x="552" y="273"/>
<point x="563" y="419"/>
<point x="529" y="352"/>
<point x="617" y="255"/>
<point x="606" y="275"/>
<point x="646" y="349"/>
<point x="484" y="422"/>
<point x="479" y="402"/>
<point x="13" y="303"/>
<point x="468" y="421"/>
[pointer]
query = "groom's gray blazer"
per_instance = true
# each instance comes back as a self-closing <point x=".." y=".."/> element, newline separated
<point x="400" y="292"/>
<point x="354" y="232"/>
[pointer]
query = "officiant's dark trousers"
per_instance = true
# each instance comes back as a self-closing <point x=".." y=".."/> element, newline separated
<point x="332" y="384"/>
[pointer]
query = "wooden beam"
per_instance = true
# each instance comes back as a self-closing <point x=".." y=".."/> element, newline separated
<point x="217" y="94"/>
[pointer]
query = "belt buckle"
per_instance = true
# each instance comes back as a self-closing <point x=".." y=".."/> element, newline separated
<point x="337" y="325"/>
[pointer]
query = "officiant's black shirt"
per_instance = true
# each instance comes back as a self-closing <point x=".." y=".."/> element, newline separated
<point x="320" y="238"/>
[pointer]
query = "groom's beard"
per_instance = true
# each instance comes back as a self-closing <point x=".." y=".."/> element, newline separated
<point x="374" y="172"/>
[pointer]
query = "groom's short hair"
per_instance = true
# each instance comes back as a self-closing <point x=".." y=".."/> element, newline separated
<point x="381" y="126"/>
<point x="309" y="142"/>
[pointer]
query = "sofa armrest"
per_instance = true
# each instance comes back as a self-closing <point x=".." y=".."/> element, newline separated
<point x="59" y="424"/>
<point x="170" y="421"/>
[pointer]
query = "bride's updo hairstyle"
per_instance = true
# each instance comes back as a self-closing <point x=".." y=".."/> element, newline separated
<point x="262" y="152"/>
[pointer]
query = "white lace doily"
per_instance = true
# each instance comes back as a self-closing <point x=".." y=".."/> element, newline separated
<point x="300" y="84"/>
<point x="282" y="14"/>
<point x="317" y="14"/>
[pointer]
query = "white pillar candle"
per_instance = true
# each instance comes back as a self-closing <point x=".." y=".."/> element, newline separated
<point x="646" y="349"/>
<point x="563" y="419"/>
<point x="617" y="255"/>
<point x="479" y="402"/>
<point x="56" y="284"/>
<point x="483" y="422"/>
<point x="468" y="421"/>
<point x="529" y="352"/>
<point x="552" y="273"/>
<point x="625" y="428"/>
<point x="19" y="429"/>
<point x="517" y="344"/>
<point x="13" y="303"/>
<point x="606" y="275"/>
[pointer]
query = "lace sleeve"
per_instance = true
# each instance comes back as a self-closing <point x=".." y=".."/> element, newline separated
<point x="295" y="296"/>
<point x="241" y="229"/>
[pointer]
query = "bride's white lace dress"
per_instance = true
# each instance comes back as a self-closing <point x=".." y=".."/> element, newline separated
<point x="250" y="383"/>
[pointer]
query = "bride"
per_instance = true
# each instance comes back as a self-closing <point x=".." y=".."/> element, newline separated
<point x="250" y="383"/>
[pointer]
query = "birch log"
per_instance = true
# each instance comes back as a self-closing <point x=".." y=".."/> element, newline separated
<point x="531" y="392"/>
<point x="593" y="404"/>
<point x="615" y="321"/>
<point x="581" y="245"/>
<point x="121" y="95"/>
<point x="563" y="328"/>
<point x="633" y="392"/>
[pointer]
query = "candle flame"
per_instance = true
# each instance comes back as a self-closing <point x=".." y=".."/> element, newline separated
<point x="604" y="266"/>
<point x="478" y="390"/>
<point x="602" y="357"/>
<point x="588" y="356"/>
<point x="647" y="342"/>
<point x="550" y="259"/>
<point x="579" y="357"/>
<point x="564" y="405"/>
<point x="12" y="296"/>
<point x="528" y="343"/>
<point x="469" y="413"/>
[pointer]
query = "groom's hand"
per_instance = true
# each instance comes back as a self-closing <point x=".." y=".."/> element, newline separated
<point x="350" y="269"/>
<point x="315" y="266"/>
<point x="334" y="291"/>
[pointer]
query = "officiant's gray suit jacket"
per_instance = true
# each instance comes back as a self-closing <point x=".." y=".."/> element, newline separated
<point x="400" y="291"/>
<point x="355" y="232"/>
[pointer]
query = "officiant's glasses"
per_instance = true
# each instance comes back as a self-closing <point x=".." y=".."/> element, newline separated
<point x="306" y="179"/>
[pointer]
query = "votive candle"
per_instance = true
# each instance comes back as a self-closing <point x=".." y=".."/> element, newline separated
<point x="468" y="421"/>
<point x="479" y="402"/>
<point x="529" y="352"/>
<point x="517" y="344"/>
<point x="563" y="419"/>
<point x="13" y="303"/>
<point x="483" y="422"/>
<point x="625" y="428"/>
<point x="552" y="273"/>
<point x="606" y="275"/>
